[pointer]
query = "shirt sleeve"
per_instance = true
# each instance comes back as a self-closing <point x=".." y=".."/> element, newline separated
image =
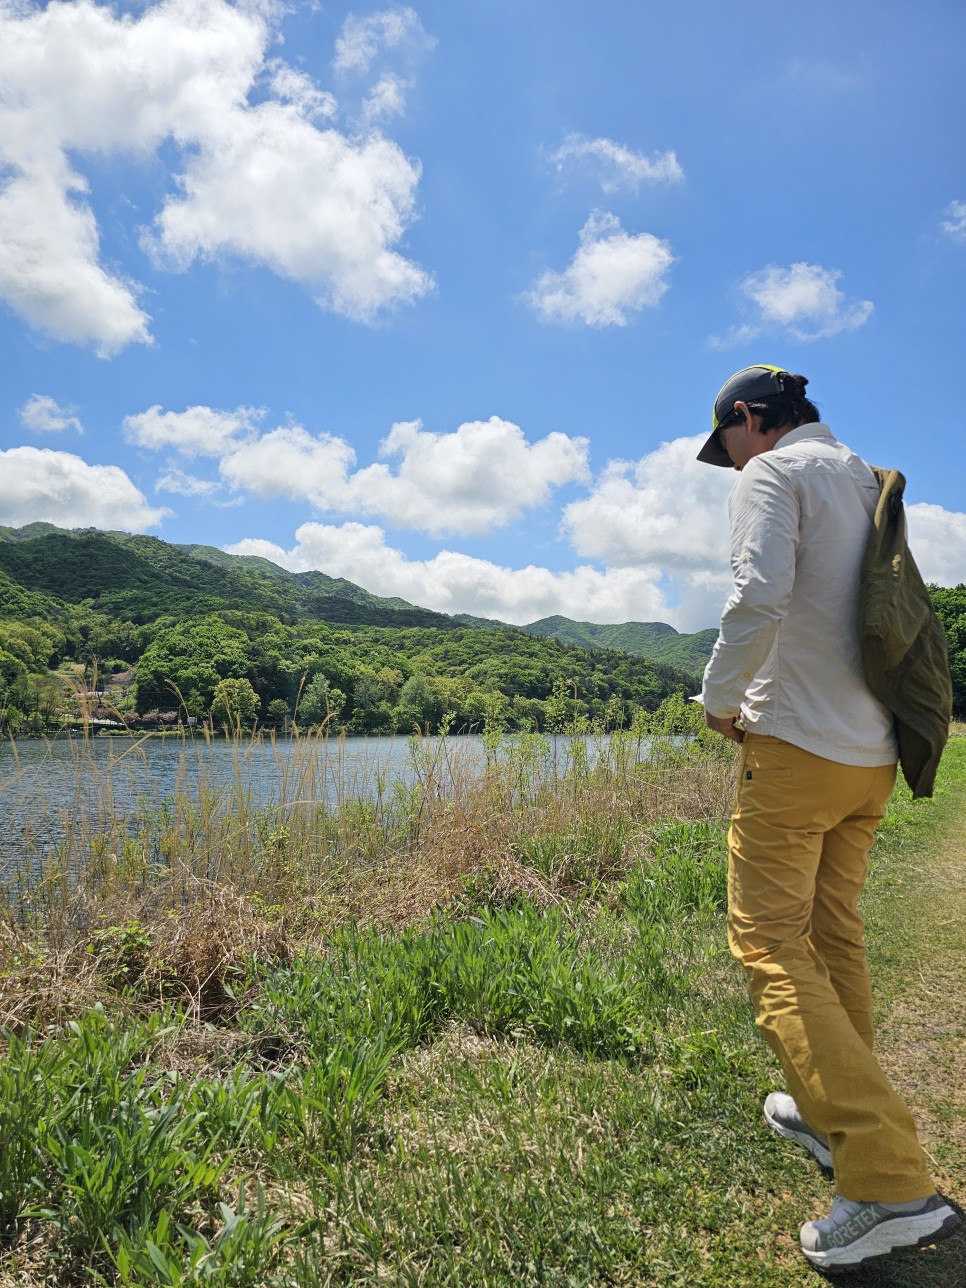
<point x="765" y="515"/>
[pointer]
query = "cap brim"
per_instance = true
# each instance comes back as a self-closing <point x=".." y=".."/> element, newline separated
<point x="712" y="453"/>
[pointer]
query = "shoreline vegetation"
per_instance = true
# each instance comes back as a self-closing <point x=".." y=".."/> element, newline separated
<point x="475" y="1029"/>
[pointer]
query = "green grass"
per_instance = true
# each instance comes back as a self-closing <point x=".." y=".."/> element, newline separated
<point x="552" y="1085"/>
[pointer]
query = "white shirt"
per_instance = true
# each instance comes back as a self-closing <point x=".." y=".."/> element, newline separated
<point x="787" y="657"/>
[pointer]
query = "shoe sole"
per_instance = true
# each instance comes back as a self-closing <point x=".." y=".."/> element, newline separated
<point x="818" y="1150"/>
<point x="889" y="1236"/>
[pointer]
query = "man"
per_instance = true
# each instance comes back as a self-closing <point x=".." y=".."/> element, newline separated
<point x="818" y="763"/>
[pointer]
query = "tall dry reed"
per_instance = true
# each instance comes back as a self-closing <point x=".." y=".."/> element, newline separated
<point x="170" y="901"/>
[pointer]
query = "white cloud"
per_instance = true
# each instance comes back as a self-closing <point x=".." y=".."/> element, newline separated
<point x="659" y="526"/>
<point x="182" y="484"/>
<point x="290" y="462"/>
<point x="664" y="516"/>
<point x="743" y="333"/>
<point x="292" y="86"/>
<point x="666" y="510"/>
<point x="57" y="487"/>
<point x="49" y="269"/>
<point x="937" y="539"/>
<point x="613" y="275"/>
<point x="480" y="477"/>
<point x="805" y="299"/>
<point x="196" y="431"/>
<point x="616" y="166"/>
<point x="363" y="39"/>
<point x="386" y="99"/>
<point x="312" y="205"/>
<point x="955" y="223"/>
<point x="661" y="523"/>
<point x="451" y="582"/>
<point x="44" y="415"/>
<point x="260" y="181"/>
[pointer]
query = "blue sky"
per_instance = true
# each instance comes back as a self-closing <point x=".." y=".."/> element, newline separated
<point x="437" y="297"/>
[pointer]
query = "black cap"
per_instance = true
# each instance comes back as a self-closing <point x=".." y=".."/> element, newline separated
<point x="747" y="385"/>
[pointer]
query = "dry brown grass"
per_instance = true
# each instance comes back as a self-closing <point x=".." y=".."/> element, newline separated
<point x="189" y="958"/>
<point x="172" y="912"/>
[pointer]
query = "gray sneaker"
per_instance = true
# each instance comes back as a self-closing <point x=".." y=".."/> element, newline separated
<point x="782" y="1115"/>
<point x="855" y="1232"/>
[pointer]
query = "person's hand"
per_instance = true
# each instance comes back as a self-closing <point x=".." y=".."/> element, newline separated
<point x="725" y="725"/>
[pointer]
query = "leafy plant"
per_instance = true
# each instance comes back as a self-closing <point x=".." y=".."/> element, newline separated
<point x="24" y="1072"/>
<point x="242" y="1253"/>
<point x="112" y="1174"/>
<point x="122" y="950"/>
<point x="687" y="874"/>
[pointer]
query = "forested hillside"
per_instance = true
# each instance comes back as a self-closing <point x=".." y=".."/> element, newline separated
<point x="142" y="629"/>
<point x="654" y="640"/>
<point x="112" y="625"/>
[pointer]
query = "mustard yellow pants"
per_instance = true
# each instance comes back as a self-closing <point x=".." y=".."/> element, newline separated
<point x="799" y="841"/>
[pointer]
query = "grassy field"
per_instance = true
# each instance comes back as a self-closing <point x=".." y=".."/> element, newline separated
<point x="484" y="1036"/>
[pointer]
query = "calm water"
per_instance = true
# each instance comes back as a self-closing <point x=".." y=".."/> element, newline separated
<point x="48" y="787"/>
<point x="44" y="786"/>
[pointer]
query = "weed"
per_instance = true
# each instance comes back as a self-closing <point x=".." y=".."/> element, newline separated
<point x="23" y="1074"/>
<point x="502" y="1043"/>
<point x="687" y="873"/>
<point x="123" y="951"/>
<point x="243" y="1252"/>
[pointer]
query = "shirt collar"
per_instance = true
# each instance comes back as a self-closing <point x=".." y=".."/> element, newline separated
<point x="803" y="432"/>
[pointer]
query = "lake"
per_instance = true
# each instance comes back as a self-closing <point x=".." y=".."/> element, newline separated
<point x="50" y="788"/>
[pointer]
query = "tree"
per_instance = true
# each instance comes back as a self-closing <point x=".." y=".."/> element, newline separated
<point x="529" y="714"/>
<point x="419" y="705"/>
<point x="271" y="668"/>
<point x="34" y="645"/>
<point x="559" y="709"/>
<point x="489" y="709"/>
<point x="191" y="655"/>
<point x="194" y="704"/>
<point x="11" y="719"/>
<point x="12" y="669"/>
<point x="320" y="702"/>
<point x="235" y="704"/>
<point x="372" y="694"/>
<point x="950" y="605"/>
<point x="277" y="714"/>
<point x="50" y="698"/>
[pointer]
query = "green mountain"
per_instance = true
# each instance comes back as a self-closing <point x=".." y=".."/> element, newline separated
<point x="654" y="640"/>
<point x="310" y="584"/>
<point x="28" y="532"/>
<point x="140" y="578"/>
